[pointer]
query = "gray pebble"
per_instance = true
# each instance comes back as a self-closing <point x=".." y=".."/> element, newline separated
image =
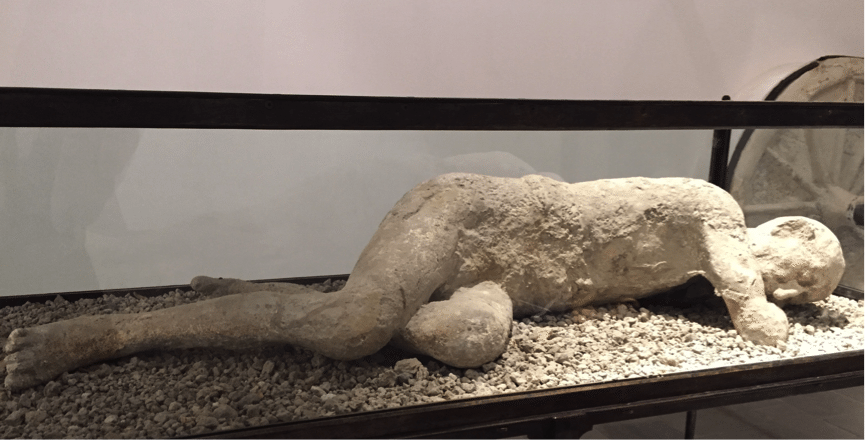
<point x="318" y="360"/>
<point x="331" y="402"/>
<point x="564" y="356"/>
<point x="52" y="389"/>
<point x="432" y="390"/>
<point x="55" y="432"/>
<point x="204" y="394"/>
<point x="208" y="422"/>
<point x="103" y="371"/>
<point x="160" y="418"/>
<point x="403" y="378"/>
<point x="16" y="418"/>
<point x="412" y="367"/>
<point x="253" y="410"/>
<point x="472" y="374"/>
<point x="317" y="390"/>
<point x="235" y="396"/>
<point x="267" y="368"/>
<point x="284" y="415"/>
<point x="250" y="398"/>
<point x="386" y="379"/>
<point x="224" y="411"/>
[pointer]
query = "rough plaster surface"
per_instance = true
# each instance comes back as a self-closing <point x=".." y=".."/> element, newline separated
<point x="549" y="246"/>
<point x="469" y="329"/>
<point x="782" y="245"/>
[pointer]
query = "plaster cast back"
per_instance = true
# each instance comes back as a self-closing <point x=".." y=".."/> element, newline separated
<point x="553" y="246"/>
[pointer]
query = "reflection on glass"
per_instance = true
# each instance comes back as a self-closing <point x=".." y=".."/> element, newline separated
<point x="99" y="209"/>
<point x="155" y="207"/>
<point x="55" y="185"/>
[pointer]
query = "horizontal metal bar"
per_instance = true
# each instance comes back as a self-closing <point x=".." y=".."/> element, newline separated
<point x="35" y="107"/>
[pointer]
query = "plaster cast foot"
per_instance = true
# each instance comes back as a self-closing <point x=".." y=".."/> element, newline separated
<point x="764" y="324"/>
<point x="467" y="330"/>
<point x="38" y="354"/>
<point x="217" y="287"/>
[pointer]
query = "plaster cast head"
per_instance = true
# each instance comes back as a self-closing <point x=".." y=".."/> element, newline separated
<point x="800" y="259"/>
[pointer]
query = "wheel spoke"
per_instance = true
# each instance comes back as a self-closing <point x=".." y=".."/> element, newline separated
<point x="851" y="174"/>
<point x="805" y="183"/>
<point x="814" y="156"/>
<point x="851" y="95"/>
<point x="858" y="176"/>
<point x="835" y="144"/>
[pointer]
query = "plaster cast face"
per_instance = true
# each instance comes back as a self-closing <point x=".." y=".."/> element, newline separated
<point x="801" y="259"/>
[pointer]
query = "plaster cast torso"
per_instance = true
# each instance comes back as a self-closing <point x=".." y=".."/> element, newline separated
<point x="553" y="246"/>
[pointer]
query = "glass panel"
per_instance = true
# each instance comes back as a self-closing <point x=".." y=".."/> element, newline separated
<point x="118" y="208"/>
<point x="121" y="208"/>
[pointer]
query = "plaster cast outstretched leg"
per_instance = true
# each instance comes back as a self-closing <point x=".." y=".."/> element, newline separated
<point x="408" y="258"/>
<point x="467" y="330"/>
<point x="217" y="287"/>
<point x="338" y="325"/>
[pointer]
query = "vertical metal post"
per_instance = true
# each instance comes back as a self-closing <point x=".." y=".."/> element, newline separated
<point x="720" y="154"/>
<point x="690" y="424"/>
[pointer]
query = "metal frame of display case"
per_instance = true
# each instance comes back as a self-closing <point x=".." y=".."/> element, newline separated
<point x="560" y="412"/>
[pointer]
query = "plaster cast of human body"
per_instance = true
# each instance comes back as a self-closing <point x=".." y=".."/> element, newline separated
<point x="460" y="255"/>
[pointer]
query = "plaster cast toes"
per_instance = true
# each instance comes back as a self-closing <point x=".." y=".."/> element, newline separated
<point x="206" y="285"/>
<point x="17" y="340"/>
<point x="26" y="363"/>
<point x="765" y="325"/>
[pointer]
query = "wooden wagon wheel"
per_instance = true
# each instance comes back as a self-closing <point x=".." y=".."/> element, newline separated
<point x="815" y="173"/>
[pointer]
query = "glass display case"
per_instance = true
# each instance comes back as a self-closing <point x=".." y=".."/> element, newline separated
<point x="108" y="191"/>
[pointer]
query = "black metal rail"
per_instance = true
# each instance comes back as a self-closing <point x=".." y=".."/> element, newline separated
<point x="33" y="107"/>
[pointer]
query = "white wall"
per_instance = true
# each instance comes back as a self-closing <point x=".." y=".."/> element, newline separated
<point x="588" y="49"/>
<point x="87" y="209"/>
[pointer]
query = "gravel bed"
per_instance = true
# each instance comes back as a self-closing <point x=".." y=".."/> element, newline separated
<point x="183" y="392"/>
